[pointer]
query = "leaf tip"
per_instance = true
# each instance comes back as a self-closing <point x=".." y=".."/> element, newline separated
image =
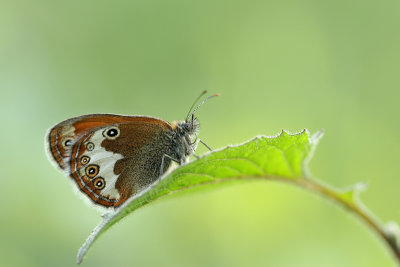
<point x="82" y="252"/>
<point x="79" y="257"/>
<point x="392" y="231"/>
<point x="317" y="136"/>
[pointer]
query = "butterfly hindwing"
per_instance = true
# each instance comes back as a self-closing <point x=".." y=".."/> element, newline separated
<point x="92" y="167"/>
<point x="110" y="157"/>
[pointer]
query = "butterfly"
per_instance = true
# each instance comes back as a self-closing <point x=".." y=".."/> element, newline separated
<point x="112" y="157"/>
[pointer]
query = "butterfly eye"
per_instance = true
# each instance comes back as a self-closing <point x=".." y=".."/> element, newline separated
<point x="99" y="183"/>
<point x="111" y="133"/>
<point x="89" y="146"/>
<point x="85" y="160"/>
<point x="92" y="170"/>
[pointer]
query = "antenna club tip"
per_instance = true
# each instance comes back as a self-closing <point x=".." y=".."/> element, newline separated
<point x="217" y="94"/>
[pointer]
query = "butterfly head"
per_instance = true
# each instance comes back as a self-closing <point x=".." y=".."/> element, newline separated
<point x="189" y="127"/>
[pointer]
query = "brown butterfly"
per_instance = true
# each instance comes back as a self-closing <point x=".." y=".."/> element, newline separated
<point x="112" y="157"/>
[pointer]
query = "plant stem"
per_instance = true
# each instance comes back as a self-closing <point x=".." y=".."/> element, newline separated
<point x="355" y="208"/>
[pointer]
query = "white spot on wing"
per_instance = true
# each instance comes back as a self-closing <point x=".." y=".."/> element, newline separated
<point x="106" y="161"/>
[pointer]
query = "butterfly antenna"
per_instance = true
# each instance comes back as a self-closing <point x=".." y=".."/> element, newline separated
<point x="211" y="96"/>
<point x="194" y="103"/>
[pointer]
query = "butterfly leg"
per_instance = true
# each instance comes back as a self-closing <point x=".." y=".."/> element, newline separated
<point x="207" y="146"/>
<point x="162" y="162"/>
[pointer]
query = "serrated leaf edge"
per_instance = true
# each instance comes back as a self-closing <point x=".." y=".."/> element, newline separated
<point x="110" y="215"/>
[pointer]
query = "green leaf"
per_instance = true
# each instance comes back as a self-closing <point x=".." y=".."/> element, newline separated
<point x="281" y="158"/>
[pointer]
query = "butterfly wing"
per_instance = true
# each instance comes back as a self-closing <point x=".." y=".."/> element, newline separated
<point x="110" y="157"/>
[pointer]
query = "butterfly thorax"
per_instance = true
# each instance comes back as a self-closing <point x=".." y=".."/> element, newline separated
<point x="184" y="143"/>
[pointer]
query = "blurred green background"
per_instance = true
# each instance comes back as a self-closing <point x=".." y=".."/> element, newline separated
<point x="277" y="64"/>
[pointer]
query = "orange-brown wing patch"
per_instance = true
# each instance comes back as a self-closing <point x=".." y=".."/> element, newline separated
<point x="89" y="122"/>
